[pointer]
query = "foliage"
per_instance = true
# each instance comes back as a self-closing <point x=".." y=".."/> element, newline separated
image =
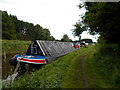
<point x="65" y="38"/>
<point x="107" y="59"/>
<point x="102" y="18"/>
<point x="8" y="31"/>
<point x="78" y="29"/>
<point x="14" y="29"/>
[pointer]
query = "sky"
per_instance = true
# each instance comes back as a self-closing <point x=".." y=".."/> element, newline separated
<point x="58" y="16"/>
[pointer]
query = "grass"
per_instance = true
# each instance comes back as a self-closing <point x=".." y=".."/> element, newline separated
<point x="94" y="77"/>
<point x="107" y="59"/>
<point x="73" y="70"/>
<point x="14" y="46"/>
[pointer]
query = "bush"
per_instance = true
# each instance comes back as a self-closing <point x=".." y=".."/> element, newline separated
<point x="107" y="59"/>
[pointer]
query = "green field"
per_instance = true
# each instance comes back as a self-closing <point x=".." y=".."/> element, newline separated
<point x="74" y="70"/>
<point x="14" y="46"/>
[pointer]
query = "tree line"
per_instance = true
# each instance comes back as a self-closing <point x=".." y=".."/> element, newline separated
<point x="15" y="29"/>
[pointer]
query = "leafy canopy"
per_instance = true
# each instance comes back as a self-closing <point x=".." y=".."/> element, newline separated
<point x="101" y="18"/>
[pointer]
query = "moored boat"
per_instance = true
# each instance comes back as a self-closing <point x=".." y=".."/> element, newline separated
<point x="42" y="52"/>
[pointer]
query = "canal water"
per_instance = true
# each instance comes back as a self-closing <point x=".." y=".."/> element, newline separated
<point x="7" y="69"/>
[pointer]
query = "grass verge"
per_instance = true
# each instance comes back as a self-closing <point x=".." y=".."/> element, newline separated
<point x="14" y="46"/>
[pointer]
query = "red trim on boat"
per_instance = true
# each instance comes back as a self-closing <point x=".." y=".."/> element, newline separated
<point x="32" y="61"/>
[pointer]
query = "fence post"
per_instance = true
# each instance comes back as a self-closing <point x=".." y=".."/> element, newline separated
<point x="4" y="56"/>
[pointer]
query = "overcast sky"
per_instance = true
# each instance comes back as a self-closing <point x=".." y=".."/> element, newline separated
<point x="56" y="15"/>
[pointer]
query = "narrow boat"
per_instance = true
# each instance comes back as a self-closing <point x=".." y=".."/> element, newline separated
<point x="42" y="52"/>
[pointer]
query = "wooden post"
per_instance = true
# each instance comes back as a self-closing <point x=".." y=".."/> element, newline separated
<point x="17" y="66"/>
<point x="4" y="56"/>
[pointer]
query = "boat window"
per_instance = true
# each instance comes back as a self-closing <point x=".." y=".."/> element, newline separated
<point x="34" y="49"/>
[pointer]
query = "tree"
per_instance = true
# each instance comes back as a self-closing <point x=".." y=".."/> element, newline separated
<point x="38" y="31"/>
<point x="45" y="34"/>
<point x="52" y="38"/>
<point x="8" y="27"/>
<point x="65" y="38"/>
<point x="103" y="19"/>
<point x="79" y="28"/>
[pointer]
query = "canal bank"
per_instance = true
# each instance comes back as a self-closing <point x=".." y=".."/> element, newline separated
<point x="9" y="49"/>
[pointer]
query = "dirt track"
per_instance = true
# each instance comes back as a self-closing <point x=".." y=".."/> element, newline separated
<point x="85" y="82"/>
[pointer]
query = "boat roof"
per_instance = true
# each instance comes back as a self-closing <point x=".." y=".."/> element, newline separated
<point x="50" y="48"/>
